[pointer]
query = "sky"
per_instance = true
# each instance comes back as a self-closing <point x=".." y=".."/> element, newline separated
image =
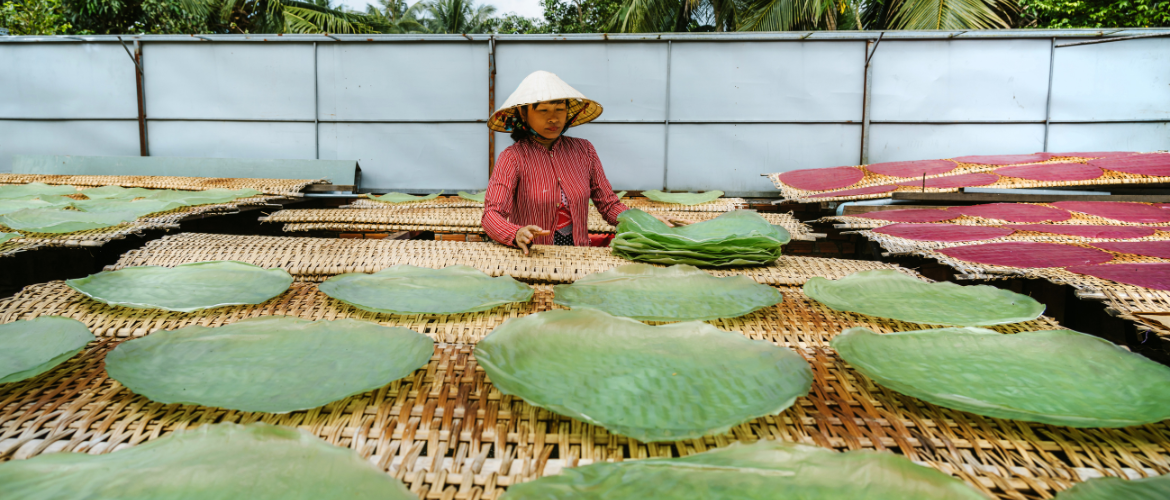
<point x="526" y="8"/>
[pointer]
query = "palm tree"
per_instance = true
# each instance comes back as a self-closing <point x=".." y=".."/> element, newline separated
<point x="278" y="16"/>
<point x="459" y="16"/>
<point x="396" y="17"/>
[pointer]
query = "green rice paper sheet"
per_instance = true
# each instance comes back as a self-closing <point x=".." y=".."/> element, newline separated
<point x="31" y="347"/>
<point x="48" y="220"/>
<point x="887" y="293"/>
<point x="764" y="470"/>
<point x="736" y="238"/>
<point x="7" y="236"/>
<point x="682" y="198"/>
<point x="118" y="193"/>
<point x="402" y="197"/>
<point x="1112" y="488"/>
<point x="9" y="205"/>
<point x="473" y="196"/>
<point x="676" y="293"/>
<point x="1057" y="377"/>
<point x="136" y="207"/>
<point x="651" y="383"/>
<point x="273" y="364"/>
<point x="406" y="289"/>
<point x="205" y="197"/>
<point x="186" y="287"/>
<point x="32" y="189"/>
<point x="224" y="461"/>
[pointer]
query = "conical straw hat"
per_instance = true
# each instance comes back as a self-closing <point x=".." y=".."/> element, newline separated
<point x="543" y="86"/>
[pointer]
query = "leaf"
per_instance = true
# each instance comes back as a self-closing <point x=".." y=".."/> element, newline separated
<point x="473" y="197"/>
<point x="8" y="236"/>
<point x="186" y="287"/>
<point x="887" y="293"/>
<point x="31" y="347"/>
<point x="139" y="207"/>
<point x="47" y="220"/>
<point x="8" y="206"/>
<point x="1112" y="488"/>
<point x="32" y="189"/>
<point x="651" y="383"/>
<point x="402" y="197"/>
<point x="950" y="14"/>
<point x="677" y="293"/>
<point x="273" y="364"/>
<point x="764" y="470"/>
<point x="406" y="289"/>
<point x="1057" y="377"/>
<point x="682" y="198"/>
<point x="223" y="461"/>
<point x="736" y="238"/>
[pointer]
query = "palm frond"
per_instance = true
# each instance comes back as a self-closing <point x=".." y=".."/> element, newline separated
<point x="304" y="17"/>
<point x="784" y="15"/>
<point x="950" y="14"/>
<point x="644" y="16"/>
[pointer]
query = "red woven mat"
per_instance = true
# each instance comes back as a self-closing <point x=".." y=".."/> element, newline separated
<point x="1160" y="249"/>
<point x="912" y="168"/>
<point x="923" y="215"/>
<point x="821" y="179"/>
<point x="1137" y="213"/>
<point x="954" y="181"/>
<point x="1052" y="172"/>
<point x="857" y="192"/>
<point x="1026" y="254"/>
<point x="1094" y="154"/>
<point x="1154" y="275"/>
<point x="1004" y="159"/>
<point x="943" y="232"/>
<point x="1155" y="164"/>
<point x="1111" y="232"/>
<point x="1014" y="212"/>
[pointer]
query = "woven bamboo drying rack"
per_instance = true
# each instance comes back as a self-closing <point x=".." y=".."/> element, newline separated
<point x="1078" y="218"/>
<point x="644" y="204"/>
<point x="465" y="220"/>
<point x="279" y="187"/>
<point x="1110" y="177"/>
<point x="10" y="248"/>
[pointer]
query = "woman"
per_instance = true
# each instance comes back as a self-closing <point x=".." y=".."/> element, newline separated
<point x="540" y="188"/>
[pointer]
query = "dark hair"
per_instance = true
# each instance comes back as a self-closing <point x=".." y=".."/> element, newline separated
<point x="520" y="131"/>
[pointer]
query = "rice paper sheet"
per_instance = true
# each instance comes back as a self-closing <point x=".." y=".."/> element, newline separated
<point x="118" y="193"/>
<point x="676" y="293"/>
<point x="682" y="198"/>
<point x="406" y="289"/>
<point x="224" y="461"/>
<point x="204" y="197"/>
<point x="48" y="220"/>
<point x="736" y="238"/>
<point x="32" y="189"/>
<point x="8" y="236"/>
<point x="651" y="383"/>
<point x="137" y="207"/>
<point x="765" y="470"/>
<point x="273" y="364"/>
<point x="8" y="206"/>
<point x="31" y="347"/>
<point x="1112" y="488"/>
<point x="1057" y="377"/>
<point x="473" y="196"/>
<point x="186" y="287"/>
<point x="402" y="197"/>
<point x="887" y="293"/>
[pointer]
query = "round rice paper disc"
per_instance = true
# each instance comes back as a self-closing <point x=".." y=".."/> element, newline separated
<point x="393" y="197"/>
<point x="1153" y="164"/>
<point x="8" y="206"/>
<point x="1154" y="275"/>
<point x="1014" y="212"/>
<point x="651" y="383"/>
<point x="273" y="364"/>
<point x="4" y="237"/>
<point x="479" y="197"/>
<point x="1096" y="154"/>
<point x="865" y="191"/>
<point x="1052" y="172"/>
<point x="1025" y="254"/>
<point x="224" y="461"/>
<point x="822" y="179"/>
<point x="117" y="193"/>
<point x="1138" y="213"/>
<point x="886" y="293"/>
<point x="34" y="189"/>
<point x="185" y="287"/>
<point x="911" y="215"/>
<point x="682" y="198"/>
<point x="406" y="289"/>
<point x="954" y="181"/>
<point x="912" y="168"/>
<point x="943" y="232"/>
<point x="1109" y="232"/>
<point x="1057" y="377"/>
<point x="677" y="293"/>
<point x="1160" y="249"/>
<point x="1113" y="488"/>
<point x="765" y="470"/>
<point x="31" y="347"/>
<point x="1004" y="159"/>
<point x="55" y="221"/>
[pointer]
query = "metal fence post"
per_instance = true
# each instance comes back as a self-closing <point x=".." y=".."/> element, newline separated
<point x="143" y="136"/>
<point x="666" y="123"/>
<point x="491" y="102"/>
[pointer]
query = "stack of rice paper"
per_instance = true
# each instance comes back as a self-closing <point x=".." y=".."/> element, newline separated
<point x="737" y="238"/>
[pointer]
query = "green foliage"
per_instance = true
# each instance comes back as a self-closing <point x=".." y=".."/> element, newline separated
<point x="1094" y="13"/>
<point x="458" y="17"/>
<point x="34" y="17"/>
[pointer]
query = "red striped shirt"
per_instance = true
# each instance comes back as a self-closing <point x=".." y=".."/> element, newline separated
<point x="523" y="190"/>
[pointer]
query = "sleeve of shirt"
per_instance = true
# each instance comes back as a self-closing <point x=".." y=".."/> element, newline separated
<point x="604" y="198"/>
<point x="500" y="198"/>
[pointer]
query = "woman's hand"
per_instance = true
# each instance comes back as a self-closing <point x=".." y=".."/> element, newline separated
<point x="673" y="222"/>
<point x="526" y="234"/>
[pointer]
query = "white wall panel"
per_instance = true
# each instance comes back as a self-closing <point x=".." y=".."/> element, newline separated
<point x="229" y="80"/>
<point x="84" y="137"/>
<point x="960" y="80"/>
<point x="66" y="80"/>
<point x="630" y="153"/>
<point x="273" y="140"/>
<point x="901" y="142"/>
<point x="398" y="156"/>
<point x="1142" y="137"/>
<point x="1112" y="81"/>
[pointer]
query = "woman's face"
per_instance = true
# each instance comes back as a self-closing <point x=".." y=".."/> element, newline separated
<point x="546" y="119"/>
